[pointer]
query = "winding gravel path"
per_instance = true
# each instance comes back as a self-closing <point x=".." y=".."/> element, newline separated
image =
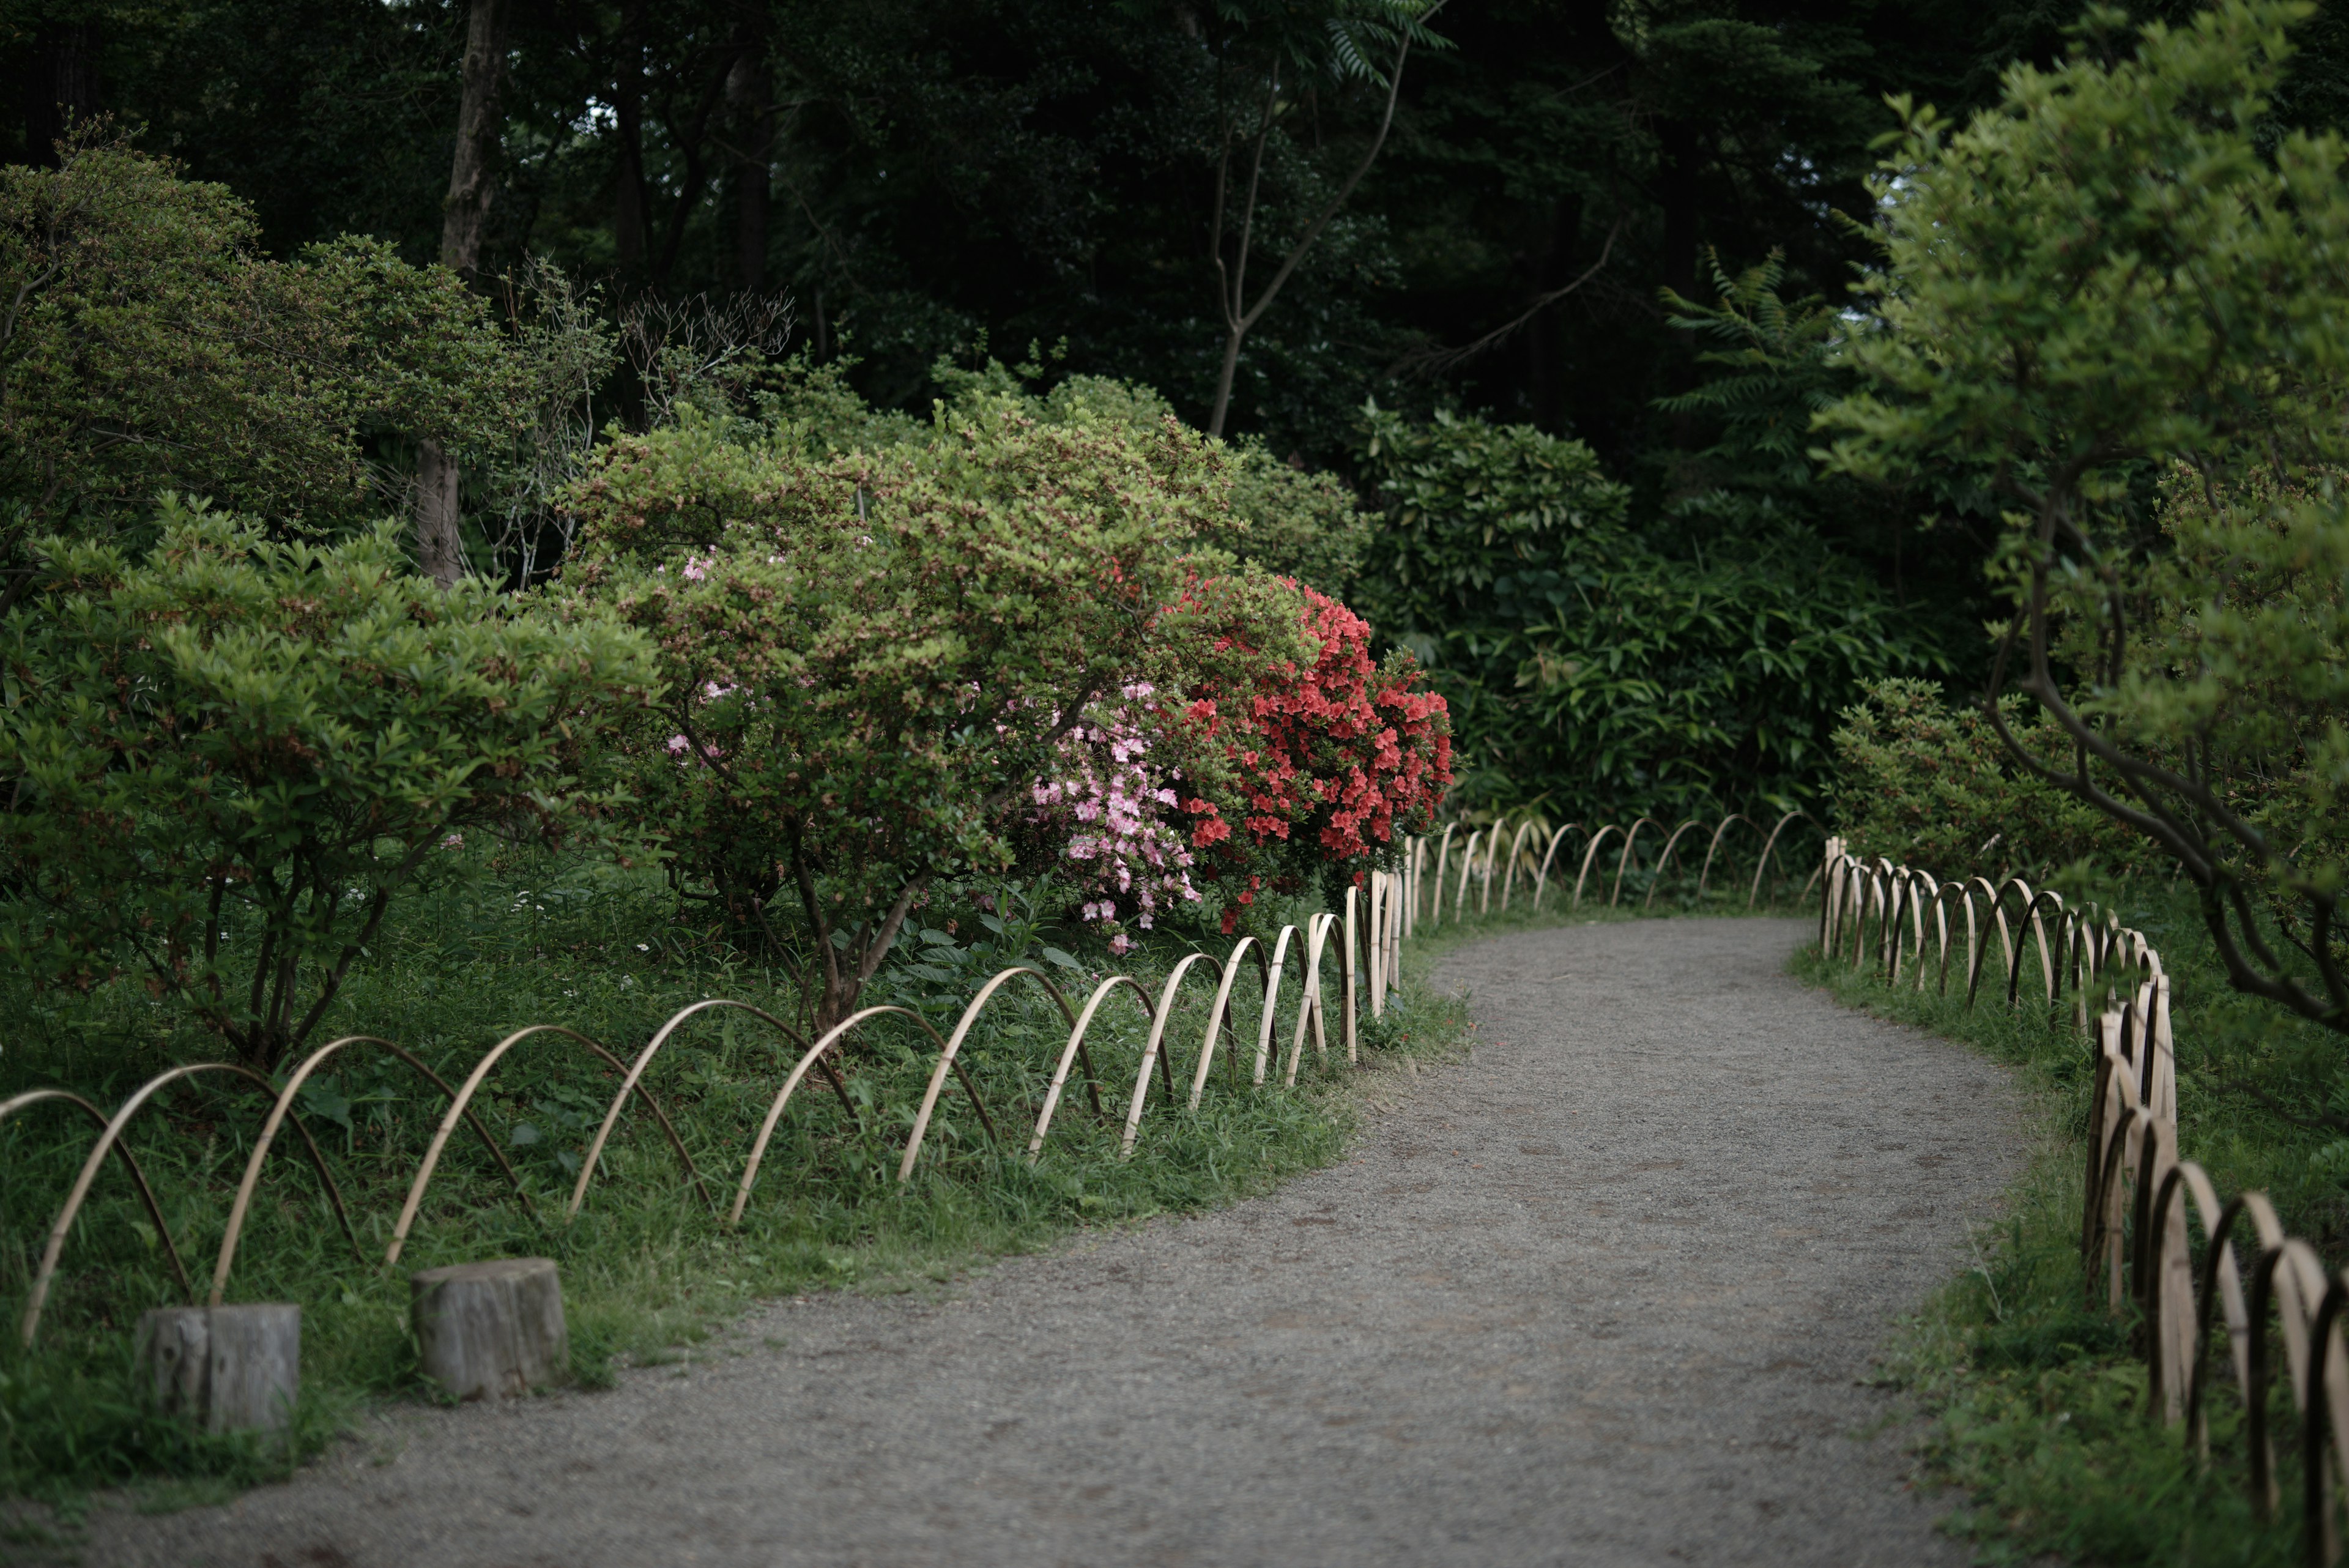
<point x="1600" y="1296"/>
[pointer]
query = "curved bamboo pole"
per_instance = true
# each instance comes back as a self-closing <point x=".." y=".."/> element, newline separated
<point x="1158" y="1019"/>
<point x="1623" y="861"/>
<point x="464" y="1097"/>
<point x="643" y="1059"/>
<point x="1443" y="859"/>
<point x="949" y="1053"/>
<point x="1076" y="1044"/>
<point x="1541" y="881"/>
<point x="1665" y="860"/>
<point x="31" y="1098"/>
<point x="1215" y="1014"/>
<point x="1467" y="864"/>
<point x="1317" y="937"/>
<point x="1593" y="848"/>
<point x="1517" y="850"/>
<point x="106" y="1139"/>
<point x="1271" y="1000"/>
<point x="1768" y="844"/>
<point x="277" y="1114"/>
<point x="1713" y="847"/>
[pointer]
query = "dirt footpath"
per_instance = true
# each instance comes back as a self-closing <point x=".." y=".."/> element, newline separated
<point x="1600" y="1296"/>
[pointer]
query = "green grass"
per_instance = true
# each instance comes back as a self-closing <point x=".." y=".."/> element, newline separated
<point x="646" y="1267"/>
<point x="2035" y="1398"/>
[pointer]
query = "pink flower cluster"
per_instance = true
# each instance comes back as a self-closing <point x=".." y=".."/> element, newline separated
<point x="1131" y="858"/>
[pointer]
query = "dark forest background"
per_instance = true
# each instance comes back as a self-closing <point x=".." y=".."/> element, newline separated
<point x="922" y="178"/>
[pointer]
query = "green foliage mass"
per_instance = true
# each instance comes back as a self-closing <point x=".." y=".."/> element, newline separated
<point x="1925" y="784"/>
<point x="1589" y="667"/>
<point x="2120" y="273"/>
<point x="228" y="758"/>
<point x="869" y="658"/>
<point x="144" y="345"/>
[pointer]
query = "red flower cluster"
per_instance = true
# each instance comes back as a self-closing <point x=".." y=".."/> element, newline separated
<point x="1332" y="762"/>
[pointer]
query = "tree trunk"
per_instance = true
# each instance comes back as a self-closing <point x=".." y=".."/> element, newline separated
<point x="440" y="534"/>
<point x="748" y="95"/>
<point x="60" y="87"/>
<point x="629" y="224"/>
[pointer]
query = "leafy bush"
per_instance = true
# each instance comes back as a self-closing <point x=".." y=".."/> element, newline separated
<point x="144" y="345"/>
<point x="227" y="760"/>
<point x="870" y="660"/>
<point x="1931" y="786"/>
<point x="1587" y="667"/>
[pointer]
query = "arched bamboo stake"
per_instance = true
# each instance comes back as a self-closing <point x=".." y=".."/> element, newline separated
<point x="2222" y="1283"/>
<point x="1975" y="960"/>
<point x="643" y="1059"/>
<point x="1768" y="844"/>
<point x="2321" y="1541"/>
<point x="1442" y="860"/>
<point x="1391" y="967"/>
<point x="1468" y="864"/>
<point x="106" y="1139"/>
<point x="1593" y="848"/>
<point x="1374" y="943"/>
<point x="1271" y="1002"/>
<point x="1541" y="881"/>
<point x="1347" y="971"/>
<point x="277" y="1114"/>
<point x="2288" y="1270"/>
<point x="1158" y="1018"/>
<point x="1665" y="860"/>
<point x="1492" y="863"/>
<point x="949" y="1053"/>
<point x="1076" y="1044"/>
<point x="1713" y="847"/>
<point x="465" y="1096"/>
<point x="1317" y="935"/>
<point x="30" y="1097"/>
<point x="1516" y="851"/>
<point x="1624" y="859"/>
<point x="1215" y="1016"/>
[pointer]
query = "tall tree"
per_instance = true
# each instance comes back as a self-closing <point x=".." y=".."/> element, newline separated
<point x="1262" y="42"/>
<point x="472" y="183"/>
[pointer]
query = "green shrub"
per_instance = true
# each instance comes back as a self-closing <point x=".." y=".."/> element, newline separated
<point x="870" y="658"/>
<point x="1932" y="786"/>
<point x="1585" y="665"/>
<point x="226" y="761"/>
<point x="144" y="345"/>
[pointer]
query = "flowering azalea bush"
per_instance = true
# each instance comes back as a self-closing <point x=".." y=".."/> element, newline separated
<point x="1326" y="759"/>
<point x="1109" y="817"/>
<point x="870" y="660"/>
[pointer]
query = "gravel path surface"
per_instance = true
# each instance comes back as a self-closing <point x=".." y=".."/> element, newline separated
<point x="1600" y="1295"/>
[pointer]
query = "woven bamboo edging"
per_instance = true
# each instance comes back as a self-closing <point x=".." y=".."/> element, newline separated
<point x="2135" y="1246"/>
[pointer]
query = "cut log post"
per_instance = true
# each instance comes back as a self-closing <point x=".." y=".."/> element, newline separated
<point x="226" y="1368"/>
<point x="492" y="1330"/>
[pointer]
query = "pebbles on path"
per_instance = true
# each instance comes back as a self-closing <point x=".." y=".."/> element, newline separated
<point x="1604" y="1294"/>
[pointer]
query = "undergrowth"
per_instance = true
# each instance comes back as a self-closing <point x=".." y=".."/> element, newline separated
<point x="2035" y="1395"/>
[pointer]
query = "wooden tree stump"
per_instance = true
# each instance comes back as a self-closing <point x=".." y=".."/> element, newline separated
<point x="492" y="1330"/>
<point x="226" y="1368"/>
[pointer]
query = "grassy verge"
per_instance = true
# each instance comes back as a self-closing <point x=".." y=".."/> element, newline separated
<point x="2035" y="1398"/>
<point x="647" y="1267"/>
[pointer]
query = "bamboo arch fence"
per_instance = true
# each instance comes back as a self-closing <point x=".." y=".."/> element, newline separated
<point x="1363" y="941"/>
<point x="1341" y="941"/>
<point x="2135" y="1244"/>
